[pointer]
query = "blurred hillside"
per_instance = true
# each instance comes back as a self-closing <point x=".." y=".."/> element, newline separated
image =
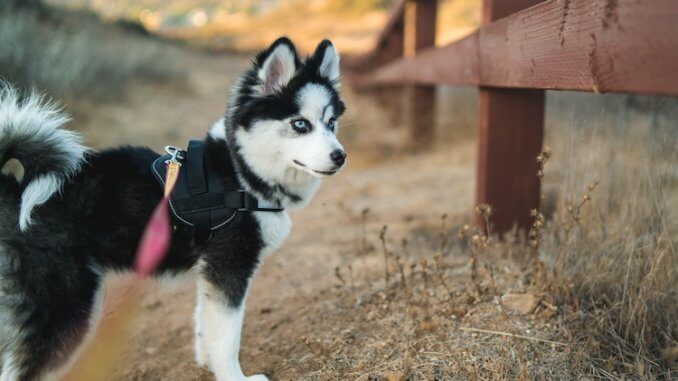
<point x="74" y="53"/>
<point x="247" y="25"/>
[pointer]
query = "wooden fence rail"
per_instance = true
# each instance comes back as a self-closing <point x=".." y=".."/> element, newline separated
<point x="522" y="48"/>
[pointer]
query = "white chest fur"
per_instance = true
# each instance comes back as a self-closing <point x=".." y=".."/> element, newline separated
<point x="275" y="227"/>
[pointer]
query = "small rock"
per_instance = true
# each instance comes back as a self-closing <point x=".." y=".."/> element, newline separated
<point x="670" y="355"/>
<point x="427" y="324"/>
<point x="520" y="303"/>
<point x="397" y="376"/>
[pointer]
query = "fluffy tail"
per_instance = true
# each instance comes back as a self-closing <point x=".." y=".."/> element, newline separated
<point x="35" y="149"/>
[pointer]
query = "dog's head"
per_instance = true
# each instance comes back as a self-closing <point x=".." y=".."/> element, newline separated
<point x="283" y="117"/>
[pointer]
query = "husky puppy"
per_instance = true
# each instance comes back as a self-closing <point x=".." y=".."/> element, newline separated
<point x="69" y="214"/>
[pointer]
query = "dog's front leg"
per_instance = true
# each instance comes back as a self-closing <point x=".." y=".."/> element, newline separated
<point x="218" y="325"/>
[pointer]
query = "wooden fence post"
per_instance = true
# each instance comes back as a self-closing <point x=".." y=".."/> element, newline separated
<point x="510" y="136"/>
<point x="420" y="33"/>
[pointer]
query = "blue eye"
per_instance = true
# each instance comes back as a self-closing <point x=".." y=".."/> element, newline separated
<point x="301" y="125"/>
<point x="332" y="124"/>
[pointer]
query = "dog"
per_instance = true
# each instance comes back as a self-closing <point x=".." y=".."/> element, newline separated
<point x="69" y="215"/>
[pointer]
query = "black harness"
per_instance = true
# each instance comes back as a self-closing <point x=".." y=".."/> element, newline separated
<point x="199" y="199"/>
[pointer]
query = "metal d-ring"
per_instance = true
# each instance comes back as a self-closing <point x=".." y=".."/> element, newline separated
<point x="174" y="152"/>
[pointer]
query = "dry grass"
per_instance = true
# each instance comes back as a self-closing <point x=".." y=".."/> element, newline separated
<point x="73" y="53"/>
<point x="604" y="305"/>
<point x="589" y="293"/>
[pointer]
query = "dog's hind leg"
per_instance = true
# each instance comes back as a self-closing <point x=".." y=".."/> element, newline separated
<point x="44" y="359"/>
<point x="42" y="337"/>
<point x="218" y="327"/>
<point x="61" y="369"/>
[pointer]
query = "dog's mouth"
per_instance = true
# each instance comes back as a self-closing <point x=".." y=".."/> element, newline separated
<point x="312" y="171"/>
<point x="326" y="173"/>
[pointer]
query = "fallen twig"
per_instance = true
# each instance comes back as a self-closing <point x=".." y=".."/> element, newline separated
<point x="512" y="335"/>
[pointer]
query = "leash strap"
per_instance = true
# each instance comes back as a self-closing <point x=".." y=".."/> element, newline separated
<point x="156" y="237"/>
<point x="173" y="166"/>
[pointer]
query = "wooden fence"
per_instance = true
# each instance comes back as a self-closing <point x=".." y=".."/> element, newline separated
<point x="522" y="48"/>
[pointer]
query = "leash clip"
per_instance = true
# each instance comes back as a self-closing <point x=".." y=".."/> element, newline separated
<point x="173" y="166"/>
<point x="177" y="154"/>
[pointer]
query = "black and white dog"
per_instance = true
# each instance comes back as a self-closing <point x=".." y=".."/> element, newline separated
<point x="68" y="214"/>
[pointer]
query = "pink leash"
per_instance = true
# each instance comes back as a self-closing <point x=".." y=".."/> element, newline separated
<point x="157" y="235"/>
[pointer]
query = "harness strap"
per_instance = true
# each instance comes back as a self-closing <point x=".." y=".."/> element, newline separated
<point x="195" y="168"/>
<point x="245" y="202"/>
<point x="199" y="200"/>
<point x="197" y="187"/>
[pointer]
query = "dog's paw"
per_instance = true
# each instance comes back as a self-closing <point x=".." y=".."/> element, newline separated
<point x="200" y="357"/>
<point x="257" y="377"/>
<point x="201" y="362"/>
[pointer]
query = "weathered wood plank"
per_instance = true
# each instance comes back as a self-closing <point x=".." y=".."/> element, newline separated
<point x="434" y="66"/>
<point x="510" y="136"/>
<point x="495" y="10"/>
<point x="420" y="33"/>
<point x="584" y="45"/>
<point x="425" y="21"/>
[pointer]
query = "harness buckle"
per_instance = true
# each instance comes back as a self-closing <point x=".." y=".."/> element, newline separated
<point x="178" y="155"/>
<point x="247" y="201"/>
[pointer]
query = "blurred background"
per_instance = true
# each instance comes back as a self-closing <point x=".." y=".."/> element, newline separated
<point x="384" y="276"/>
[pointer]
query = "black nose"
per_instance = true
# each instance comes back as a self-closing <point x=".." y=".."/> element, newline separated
<point x="338" y="157"/>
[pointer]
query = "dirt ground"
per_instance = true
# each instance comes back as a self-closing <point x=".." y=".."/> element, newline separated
<point x="303" y="309"/>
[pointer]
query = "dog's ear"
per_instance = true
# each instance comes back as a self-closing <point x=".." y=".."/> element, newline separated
<point x="276" y="65"/>
<point x="326" y="60"/>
